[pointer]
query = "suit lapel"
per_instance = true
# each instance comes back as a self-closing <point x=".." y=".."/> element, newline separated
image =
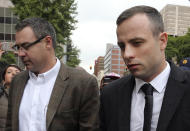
<point x="173" y="94"/>
<point x="19" y="93"/>
<point x="59" y="88"/>
<point x="124" y="102"/>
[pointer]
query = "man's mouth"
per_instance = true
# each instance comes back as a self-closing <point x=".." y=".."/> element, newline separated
<point x="132" y="66"/>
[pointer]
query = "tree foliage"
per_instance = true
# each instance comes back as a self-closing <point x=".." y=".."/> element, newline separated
<point x="178" y="47"/>
<point x="171" y="49"/>
<point x="8" y="57"/>
<point x="72" y="57"/>
<point x="61" y="13"/>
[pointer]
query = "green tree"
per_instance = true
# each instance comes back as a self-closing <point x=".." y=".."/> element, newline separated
<point x="178" y="46"/>
<point x="183" y="46"/>
<point x="171" y="49"/>
<point x="72" y="57"/>
<point x="8" y="57"/>
<point x="61" y="13"/>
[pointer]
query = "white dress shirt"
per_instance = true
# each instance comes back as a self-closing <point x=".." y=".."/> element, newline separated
<point x="138" y="100"/>
<point x="34" y="103"/>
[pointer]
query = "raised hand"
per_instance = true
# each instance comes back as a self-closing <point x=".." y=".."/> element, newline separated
<point x="1" y="51"/>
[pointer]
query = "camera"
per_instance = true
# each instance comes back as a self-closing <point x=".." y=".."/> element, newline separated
<point x="6" y="46"/>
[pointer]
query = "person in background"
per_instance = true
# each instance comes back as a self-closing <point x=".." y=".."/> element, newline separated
<point x="7" y="75"/>
<point x="108" y="78"/>
<point x="49" y="96"/>
<point x="7" y="72"/>
<point x="156" y="94"/>
<point x="185" y="64"/>
<point x="2" y="63"/>
<point x="2" y="67"/>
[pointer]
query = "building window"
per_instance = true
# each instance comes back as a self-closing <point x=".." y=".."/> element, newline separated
<point x="1" y="19"/>
<point x="8" y="20"/>
<point x="7" y="36"/>
<point x="1" y="36"/>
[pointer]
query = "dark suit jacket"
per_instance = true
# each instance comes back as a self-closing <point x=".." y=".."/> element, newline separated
<point x="175" y="111"/>
<point x="73" y="106"/>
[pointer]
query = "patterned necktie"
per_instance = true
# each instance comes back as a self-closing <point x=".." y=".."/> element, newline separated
<point x="148" y="91"/>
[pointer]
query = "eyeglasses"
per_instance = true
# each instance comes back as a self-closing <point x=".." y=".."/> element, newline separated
<point x="25" y="46"/>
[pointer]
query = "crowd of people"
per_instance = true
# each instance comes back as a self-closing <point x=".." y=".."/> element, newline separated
<point x="50" y="96"/>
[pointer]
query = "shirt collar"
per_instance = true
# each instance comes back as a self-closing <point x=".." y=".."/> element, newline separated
<point x="159" y="82"/>
<point x="48" y="74"/>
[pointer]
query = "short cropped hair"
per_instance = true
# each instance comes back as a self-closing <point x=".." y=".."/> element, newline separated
<point x="153" y="15"/>
<point x="40" y="26"/>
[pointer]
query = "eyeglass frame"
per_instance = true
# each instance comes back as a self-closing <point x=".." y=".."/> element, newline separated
<point x="25" y="45"/>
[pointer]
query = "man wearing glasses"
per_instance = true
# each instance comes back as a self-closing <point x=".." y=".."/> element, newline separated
<point x="49" y="96"/>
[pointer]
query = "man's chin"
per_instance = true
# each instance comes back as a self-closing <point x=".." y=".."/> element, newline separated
<point x="136" y="73"/>
<point x="142" y="75"/>
<point x="28" y="67"/>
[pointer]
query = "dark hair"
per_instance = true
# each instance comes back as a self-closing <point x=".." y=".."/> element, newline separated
<point x="40" y="26"/>
<point x="5" y="70"/>
<point x="3" y="65"/>
<point x="153" y="15"/>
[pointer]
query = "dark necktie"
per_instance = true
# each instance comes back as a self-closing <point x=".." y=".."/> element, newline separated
<point x="148" y="91"/>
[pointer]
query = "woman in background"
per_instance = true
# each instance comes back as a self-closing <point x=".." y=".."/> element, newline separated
<point x="8" y="73"/>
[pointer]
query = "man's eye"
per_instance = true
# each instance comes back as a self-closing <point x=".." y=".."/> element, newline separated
<point x="137" y="42"/>
<point x="15" y="47"/>
<point x="25" y="46"/>
<point x="122" y="46"/>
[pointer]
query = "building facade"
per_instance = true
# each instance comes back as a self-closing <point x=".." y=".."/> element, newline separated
<point x="7" y="22"/>
<point x="7" y="28"/>
<point x="113" y="62"/>
<point x="176" y="19"/>
<point x="99" y="65"/>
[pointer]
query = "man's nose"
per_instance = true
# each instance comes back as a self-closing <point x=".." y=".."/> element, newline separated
<point x="21" y="53"/>
<point x="129" y="52"/>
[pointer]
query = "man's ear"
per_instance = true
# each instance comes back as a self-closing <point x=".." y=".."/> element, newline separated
<point x="163" y="40"/>
<point x="49" y="43"/>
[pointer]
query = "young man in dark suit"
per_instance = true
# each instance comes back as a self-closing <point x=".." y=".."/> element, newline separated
<point x="156" y="95"/>
<point x="49" y="96"/>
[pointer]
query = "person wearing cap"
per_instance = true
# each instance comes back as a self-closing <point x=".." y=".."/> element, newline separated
<point x="156" y="94"/>
<point x="185" y="64"/>
<point x="7" y="75"/>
